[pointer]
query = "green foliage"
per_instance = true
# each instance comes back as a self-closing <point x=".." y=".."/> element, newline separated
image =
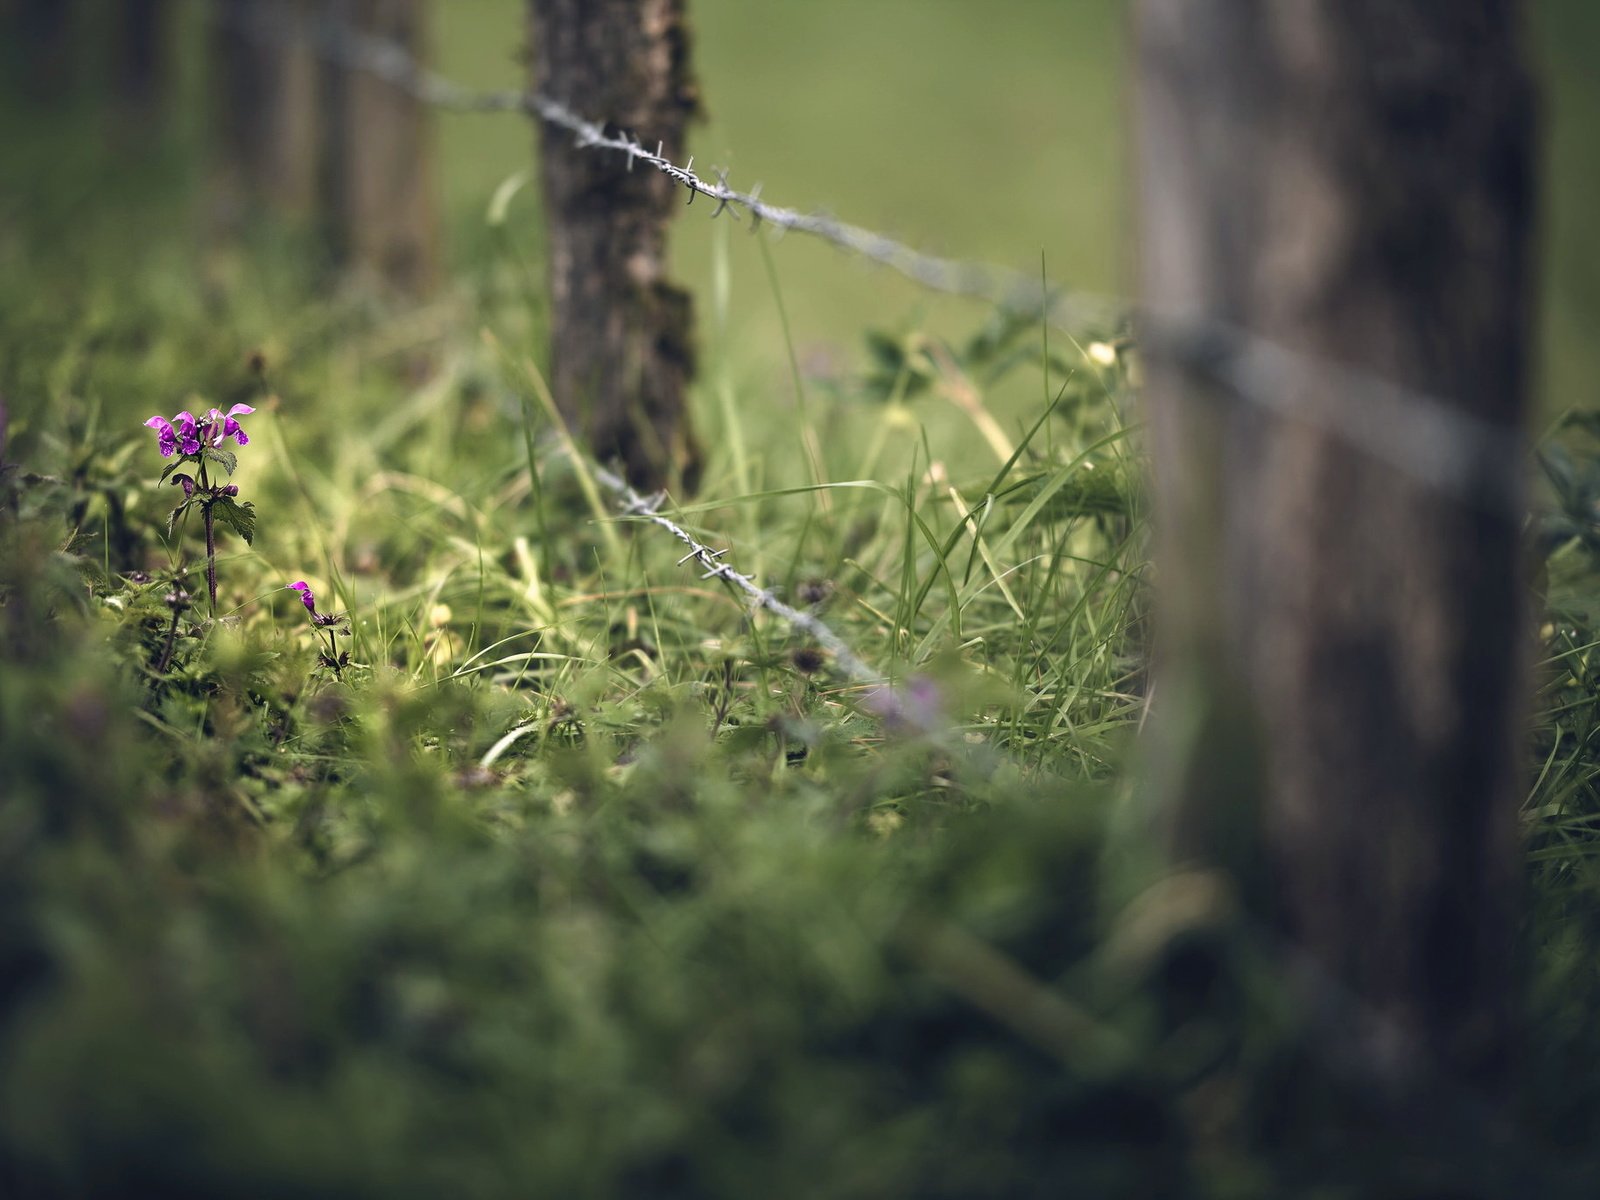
<point x="226" y="459"/>
<point x="241" y="518"/>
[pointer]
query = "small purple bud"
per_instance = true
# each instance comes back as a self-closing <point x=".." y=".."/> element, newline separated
<point x="231" y="490"/>
<point x="186" y="483"/>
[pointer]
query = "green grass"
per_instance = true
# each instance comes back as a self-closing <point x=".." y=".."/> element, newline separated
<point x="580" y="880"/>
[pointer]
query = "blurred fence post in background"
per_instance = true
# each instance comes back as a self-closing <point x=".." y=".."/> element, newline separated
<point x="141" y="52"/>
<point x="267" y="127"/>
<point x="622" y="350"/>
<point x="43" y="50"/>
<point x="378" y="155"/>
<point x="1353" y="179"/>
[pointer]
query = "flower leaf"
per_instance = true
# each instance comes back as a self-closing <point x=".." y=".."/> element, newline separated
<point x="226" y="459"/>
<point x="241" y="518"/>
<point x="172" y="517"/>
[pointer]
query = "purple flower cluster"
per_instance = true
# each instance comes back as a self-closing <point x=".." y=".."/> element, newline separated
<point x="188" y="434"/>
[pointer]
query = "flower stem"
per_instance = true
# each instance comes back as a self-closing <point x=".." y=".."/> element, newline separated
<point x="211" y="559"/>
<point x="211" y="541"/>
<point x="172" y="638"/>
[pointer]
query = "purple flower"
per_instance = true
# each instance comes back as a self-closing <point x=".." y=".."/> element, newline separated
<point x="221" y="426"/>
<point x="187" y="433"/>
<point x="334" y="622"/>
<point x="184" y="432"/>
<point x="166" y="439"/>
<point x="186" y="482"/>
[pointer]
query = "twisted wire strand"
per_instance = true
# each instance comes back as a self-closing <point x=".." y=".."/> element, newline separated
<point x="631" y="503"/>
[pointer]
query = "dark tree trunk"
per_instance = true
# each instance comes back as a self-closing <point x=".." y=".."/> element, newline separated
<point x="140" y="59"/>
<point x="622" y="355"/>
<point x="1352" y="179"/>
<point x="43" y="52"/>
<point x="380" y="157"/>
<point x="266" y="91"/>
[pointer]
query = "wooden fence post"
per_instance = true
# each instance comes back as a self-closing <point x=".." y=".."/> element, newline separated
<point x="380" y="157"/>
<point x="1354" y="180"/>
<point x="140" y="59"/>
<point x="266" y="85"/>
<point x="622" y="353"/>
<point x="44" y="49"/>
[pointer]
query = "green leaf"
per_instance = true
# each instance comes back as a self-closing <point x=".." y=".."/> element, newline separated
<point x="169" y="469"/>
<point x="172" y="517"/>
<point x="226" y="459"/>
<point x="241" y="518"/>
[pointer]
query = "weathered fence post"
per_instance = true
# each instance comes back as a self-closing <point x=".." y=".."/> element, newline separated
<point x="380" y="162"/>
<point x="622" y="352"/>
<point x="266" y="84"/>
<point x="140" y="59"/>
<point x="1352" y="179"/>
<point x="44" y="49"/>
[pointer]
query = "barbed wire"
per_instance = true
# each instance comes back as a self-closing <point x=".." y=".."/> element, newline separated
<point x="896" y="709"/>
<point x="1456" y="453"/>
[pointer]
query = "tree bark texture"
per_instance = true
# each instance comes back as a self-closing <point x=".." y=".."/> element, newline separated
<point x="622" y="352"/>
<point x="380" y="158"/>
<point x="1353" y="180"/>
<point x="267" y="94"/>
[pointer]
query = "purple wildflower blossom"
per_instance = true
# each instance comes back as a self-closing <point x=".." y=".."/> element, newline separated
<point x="306" y="596"/>
<point x="221" y="426"/>
<point x="186" y="482"/>
<point x="166" y="439"/>
<point x="186" y="433"/>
